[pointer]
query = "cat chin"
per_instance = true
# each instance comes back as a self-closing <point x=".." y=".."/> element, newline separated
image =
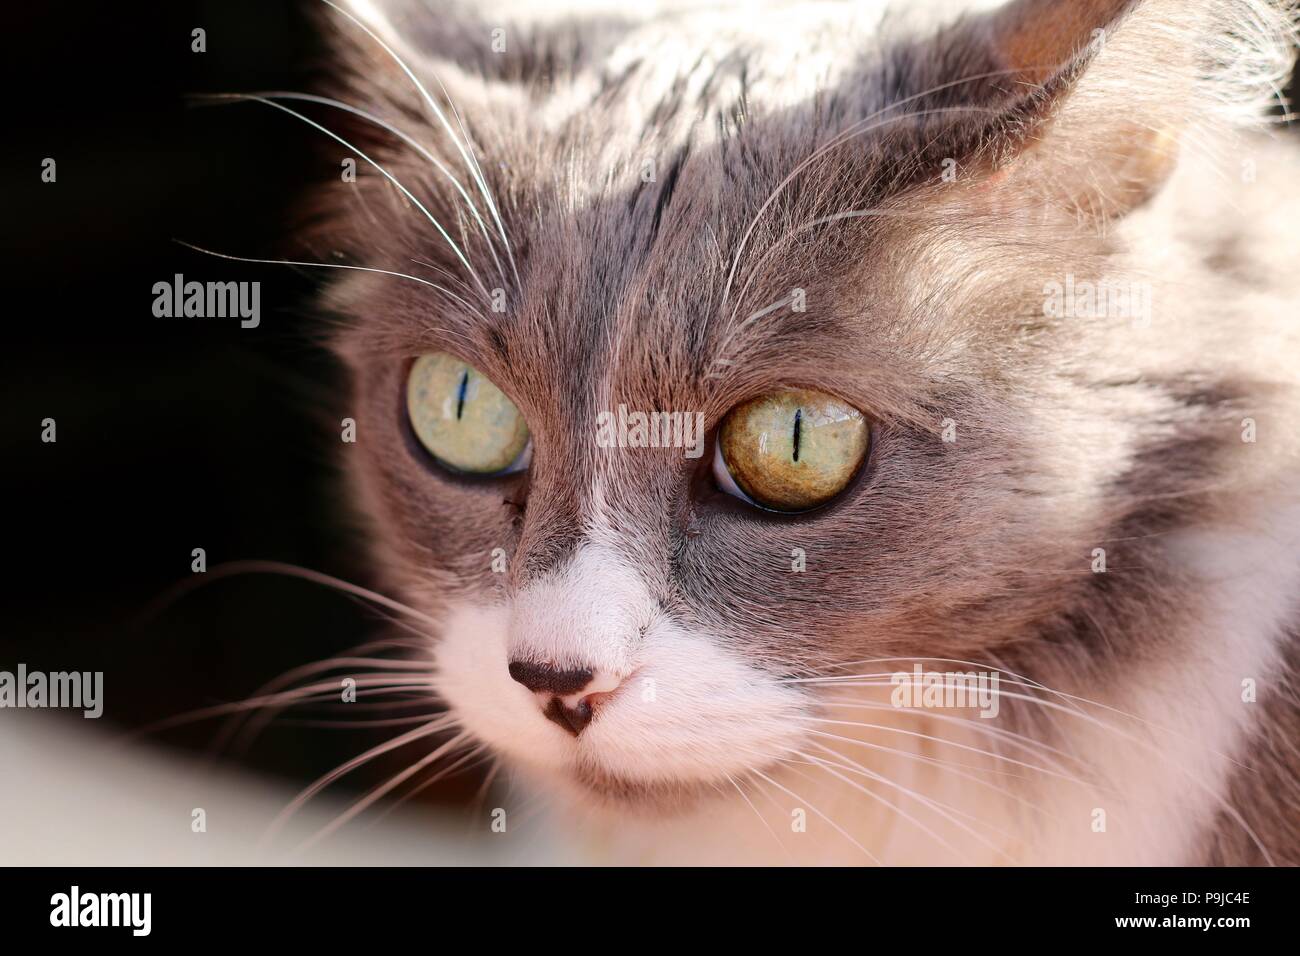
<point x="589" y="791"/>
<point x="598" y="791"/>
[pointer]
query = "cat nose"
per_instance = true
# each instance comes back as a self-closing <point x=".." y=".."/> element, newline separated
<point x="549" y="679"/>
<point x="571" y="695"/>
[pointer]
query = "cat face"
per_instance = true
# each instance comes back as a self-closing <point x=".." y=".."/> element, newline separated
<point x="612" y="225"/>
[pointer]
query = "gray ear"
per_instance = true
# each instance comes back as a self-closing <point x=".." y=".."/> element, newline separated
<point x="1100" y="148"/>
<point x="1100" y="96"/>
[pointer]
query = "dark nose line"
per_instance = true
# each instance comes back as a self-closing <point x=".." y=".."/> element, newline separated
<point x="545" y="679"/>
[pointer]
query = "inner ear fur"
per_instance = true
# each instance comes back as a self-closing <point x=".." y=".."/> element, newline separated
<point x="1098" y="94"/>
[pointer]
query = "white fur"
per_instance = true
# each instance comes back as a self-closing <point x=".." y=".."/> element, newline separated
<point x="686" y="709"/>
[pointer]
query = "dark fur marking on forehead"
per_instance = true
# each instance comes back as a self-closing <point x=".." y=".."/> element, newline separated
<point x="612" y="84"/>
<point x="670" y="104"/>
<point x="498" y="342"/>
<point x="666" y="188"/>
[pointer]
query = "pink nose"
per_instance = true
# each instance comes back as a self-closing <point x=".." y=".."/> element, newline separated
<point x="566" y="704"/>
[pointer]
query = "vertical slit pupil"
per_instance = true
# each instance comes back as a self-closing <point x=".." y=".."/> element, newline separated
<point x="460" y="395"/>
<point x="798" y="419"/>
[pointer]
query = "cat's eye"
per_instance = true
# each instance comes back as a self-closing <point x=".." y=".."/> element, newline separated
<point x="462" y="419"/>
<point x="790" y="451"/>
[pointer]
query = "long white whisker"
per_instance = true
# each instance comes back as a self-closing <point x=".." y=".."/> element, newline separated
<point x="410" y="141"/>
<point x="951" y="743"/>
<point x="348" y="766"/>
<point x="999" y="668"/>
<point x="749" y="320"/>
<point x="761" y="819"/>
<point x="839" y="829"/>
<point x="437" y="111"/>
<point x="479" y="170"/>
<point x="1020" y="741"/>
<point x="305" y="670"/>
<point x="943" y="809"/>
<point x="828" y="767"/>
<point x="1196" y="781"/>
<point x="259" y="719"/>
<point x="359" y="724"/>
<point x="856" y="129"/>
<point x="469" y="307"/>
<point x="297" y="695"/>
<point x="948" y="766"/>
<point x="256" y="566"/>
<point x="442" y="772"/>
<point x="387" y="786"/>
<point x="242" y="97"/>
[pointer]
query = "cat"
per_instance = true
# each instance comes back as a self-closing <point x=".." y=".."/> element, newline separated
<point x="1020" y="277"/>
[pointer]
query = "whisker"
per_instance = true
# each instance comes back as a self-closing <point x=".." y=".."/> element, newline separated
<point x="761" y="819"/>
<point x="828" y="767"/>
<point x="254" y="725"/>
<point x="489" y="780"/>
<point x="410" y="141"/>
<point x="347" y="767"/>
<point x="248" y="98"/>
<point x="1073" y="711"/>
<point x="951" y="743"/>
<point x="957" y="769"/>
<point x="334" y="265"/>
<point x="861" y="127"/>
<point x="471" y="165"/>
<point x="839" y="829"/>
<point x="234" y="568"/>
<point x="218" y="710"/>
<point x="395" y="781"/>
<point x="359" y="724"/>
<point x="1021" y="741"/>
<point x="479" y="170"/>
<point x="441" y="773"/>
<point x="943" y="809"/>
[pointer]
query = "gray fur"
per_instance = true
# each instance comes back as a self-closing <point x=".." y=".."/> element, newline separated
<point x="1072" y="434"/>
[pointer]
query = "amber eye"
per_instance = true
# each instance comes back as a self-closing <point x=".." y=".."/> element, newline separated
<point x="464" y="420"/>
<point x="790" y="451"/>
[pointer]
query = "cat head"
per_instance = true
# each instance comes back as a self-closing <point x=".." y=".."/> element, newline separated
<point x="818" y="228"/>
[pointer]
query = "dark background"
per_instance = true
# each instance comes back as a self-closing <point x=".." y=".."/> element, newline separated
<point x="172" y="434"/>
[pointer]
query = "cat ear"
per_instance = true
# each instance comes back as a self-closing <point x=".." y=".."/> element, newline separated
<point x="1091" y="100"/>
<point x="1045" y="42"/>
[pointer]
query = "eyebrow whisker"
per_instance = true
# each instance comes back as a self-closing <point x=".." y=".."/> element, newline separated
<point x="410" y="141"/>
<point x="250" y="98"/>
<point x="337" y="265"/>
<point x="471" y="164"/>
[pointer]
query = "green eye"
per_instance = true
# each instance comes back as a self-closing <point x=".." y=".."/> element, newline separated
<point x="462" y="419"/>
<point x="791" y="451"/>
